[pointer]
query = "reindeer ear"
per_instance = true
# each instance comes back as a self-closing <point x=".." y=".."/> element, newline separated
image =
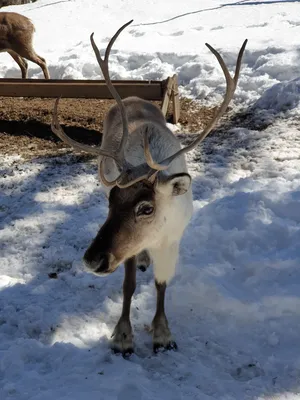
<point x="175" y="185"/>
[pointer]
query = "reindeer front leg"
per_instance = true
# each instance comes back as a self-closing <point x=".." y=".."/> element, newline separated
<point x="162" y="336"/>
<point x="164" y="260"/>
<point x="122" y="336"/>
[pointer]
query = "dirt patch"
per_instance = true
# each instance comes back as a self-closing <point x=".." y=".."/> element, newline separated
<point x="25" y="123"/>
<point x="89" y="113"/>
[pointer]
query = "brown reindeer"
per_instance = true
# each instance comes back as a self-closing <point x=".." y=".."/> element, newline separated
<point x="16" y="32"/>
<point x="143" y="169"/>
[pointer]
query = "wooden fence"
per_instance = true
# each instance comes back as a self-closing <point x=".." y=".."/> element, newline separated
<point x="166" y="90"/>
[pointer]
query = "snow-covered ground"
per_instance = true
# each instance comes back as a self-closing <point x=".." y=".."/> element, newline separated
<point x="154" y="49"/>
<point x="234" y="305"/>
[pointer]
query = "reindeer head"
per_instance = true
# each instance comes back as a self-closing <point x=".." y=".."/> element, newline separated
<point x="140" y="216"/>
<point x="143" y="198"/>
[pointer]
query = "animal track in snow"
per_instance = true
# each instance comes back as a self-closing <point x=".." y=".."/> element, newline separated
<point x="294" y="23"/>
<point x="136" y="33"/>
<point x="257" y="25"/>
<point x="198" y="28"/>
<point x="178" y="33"/>
<point x="247" y="372"/>
<point x="216" y="28"/>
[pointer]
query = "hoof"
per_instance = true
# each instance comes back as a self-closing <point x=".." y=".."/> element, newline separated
<point x="126" y="353"/>
<point x="122" y="338"/>
<point x="169" y="346"/>
<point x="143" y="261"/>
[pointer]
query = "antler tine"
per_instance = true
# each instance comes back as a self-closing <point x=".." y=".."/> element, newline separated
<point x="231" y="84"/>
<point x="58" y="131"/>
<point x="105" y="71"/>
<point x="114" y="38"/>
<point x="239" y="61"/>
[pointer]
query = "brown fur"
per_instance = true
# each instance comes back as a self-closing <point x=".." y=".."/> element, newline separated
<point x="6" y="3"/>
<point x="119" y="231"/>
<point x="126" y="198"/>
<point x="16" y="33"/>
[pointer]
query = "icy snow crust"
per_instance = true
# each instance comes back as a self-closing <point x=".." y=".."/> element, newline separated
<point x="234" y="305"/>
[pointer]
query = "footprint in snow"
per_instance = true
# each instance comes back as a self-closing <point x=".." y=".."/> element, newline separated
<point x="257" y="25"/>
<point x="247" y="372"/>
<point x="217" y="28"/>
<point x="179" y="33"/>
<point x="135" y="33"/>
<point x="293" y="23"/>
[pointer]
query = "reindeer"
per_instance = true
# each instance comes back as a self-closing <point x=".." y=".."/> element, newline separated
<point x="16" y="32"/>
<point x="143" y="170"/>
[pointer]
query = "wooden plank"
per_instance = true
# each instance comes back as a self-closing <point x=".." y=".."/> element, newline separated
<point x="166" y="96"/>
<point x="92" y="89"/>
<point x="143" y="81"/>
<point x="175" y="100"/>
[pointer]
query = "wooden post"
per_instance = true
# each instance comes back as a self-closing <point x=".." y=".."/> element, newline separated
<point x="166" y="95"/>
<point x="175" y="100"/>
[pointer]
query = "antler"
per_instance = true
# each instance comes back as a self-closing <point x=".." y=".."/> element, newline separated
<point x="58" y="130"/>
<point x="103" y="64"/>
<point x="119" y="154"/>
<point x="230" y="89"/>
<point x="128" y="173"/>
<point x="150" y="170"/>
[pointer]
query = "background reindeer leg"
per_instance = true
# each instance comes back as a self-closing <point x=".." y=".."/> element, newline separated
<point x="122" y="337"/>
<point x="143" y="261"/>
<point x="21" y="62"/>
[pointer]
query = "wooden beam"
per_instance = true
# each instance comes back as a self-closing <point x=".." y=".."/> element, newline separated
<point x="166" y="95"/>
<point x="92" y="89"/>
<point x="165" y="90"/>
<point x="175" y="100"/>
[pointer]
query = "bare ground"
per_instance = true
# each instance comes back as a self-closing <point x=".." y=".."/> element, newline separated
<point x="25" y="123"/>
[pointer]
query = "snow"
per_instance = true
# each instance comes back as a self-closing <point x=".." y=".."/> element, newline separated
<point x="281" y="97"/>
<point x="234" y="304"/>
<point x="153" y="49"/>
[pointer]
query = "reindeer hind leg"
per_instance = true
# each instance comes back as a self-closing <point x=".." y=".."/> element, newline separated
<point x="30" y="54"/>
<point x="21" y="62"/>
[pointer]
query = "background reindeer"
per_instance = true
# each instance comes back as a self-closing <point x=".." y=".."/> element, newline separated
<point x="16" y="33"/>
<point x="5" y="3"/>
<point x="143" y="168"/>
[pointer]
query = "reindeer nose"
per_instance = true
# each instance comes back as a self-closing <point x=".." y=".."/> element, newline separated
<point x="98" y="263"/>
<point x="103" y="264"/>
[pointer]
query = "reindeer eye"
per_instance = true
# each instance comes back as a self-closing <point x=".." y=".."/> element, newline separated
<point x="147" y="210"/>
<point x="144" y="209"/>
